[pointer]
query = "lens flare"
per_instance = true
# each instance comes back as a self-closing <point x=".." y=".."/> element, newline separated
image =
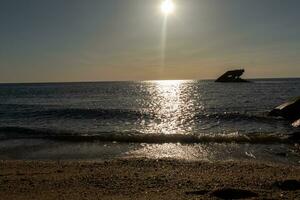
<point x="167" y="7"/>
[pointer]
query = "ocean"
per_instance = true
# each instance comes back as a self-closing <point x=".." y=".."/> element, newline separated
<point x="189" y="120"/>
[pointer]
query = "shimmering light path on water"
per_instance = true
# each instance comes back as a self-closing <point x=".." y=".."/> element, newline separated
<point x="201" y="119"/>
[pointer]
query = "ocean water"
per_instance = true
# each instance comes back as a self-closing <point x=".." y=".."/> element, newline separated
<point x="191" y="120"/>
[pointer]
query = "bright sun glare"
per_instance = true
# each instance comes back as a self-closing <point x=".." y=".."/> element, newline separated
<point x="167" y="7"/>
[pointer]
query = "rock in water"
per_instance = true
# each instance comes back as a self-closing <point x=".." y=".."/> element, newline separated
<point x="289" y="110"/>
<point x="233" y="76"/>
<point x="296" y="123"/>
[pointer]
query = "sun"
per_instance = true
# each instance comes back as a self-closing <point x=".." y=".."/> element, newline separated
<point x="167" y="7"/>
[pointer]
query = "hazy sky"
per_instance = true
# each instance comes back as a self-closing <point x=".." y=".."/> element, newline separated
<point x="90" y="40"/>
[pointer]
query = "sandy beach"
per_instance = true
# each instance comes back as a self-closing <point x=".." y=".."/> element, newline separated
<point x="147" y="179"/>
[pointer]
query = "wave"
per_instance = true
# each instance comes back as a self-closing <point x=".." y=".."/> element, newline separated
<point x="40" y="112"/>
<point x="135" y="137"/>
<point x="236" y="116"/>
<point x="79" y="113"/>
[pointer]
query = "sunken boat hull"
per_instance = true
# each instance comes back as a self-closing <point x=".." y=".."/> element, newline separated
<point x="233" y="76"/>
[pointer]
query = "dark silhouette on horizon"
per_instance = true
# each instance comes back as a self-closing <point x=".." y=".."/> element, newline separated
<point x="233" y="76"/>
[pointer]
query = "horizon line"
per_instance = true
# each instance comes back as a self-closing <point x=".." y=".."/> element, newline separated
<point x="150" y="80"/>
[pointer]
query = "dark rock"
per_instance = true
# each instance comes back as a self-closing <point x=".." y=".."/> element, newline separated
<point x="288" y="185"/>
<point x="230" y="193"/>
<point x="197" y="192"/>
<point x="289" y="110"/>
<point x="295" y="137"/>
<point x="233" y="76"/>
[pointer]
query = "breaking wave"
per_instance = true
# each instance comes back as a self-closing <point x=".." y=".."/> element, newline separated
<point x="135" y="137"/>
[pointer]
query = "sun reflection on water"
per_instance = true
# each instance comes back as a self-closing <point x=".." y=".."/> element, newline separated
<point x="170" y="103"/>
<point x="172" y="151"/>
<point x="170" y="106"/>
<point x="173" y="107"/>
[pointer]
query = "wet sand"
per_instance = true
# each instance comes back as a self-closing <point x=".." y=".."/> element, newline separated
<point x="147" y="179"/>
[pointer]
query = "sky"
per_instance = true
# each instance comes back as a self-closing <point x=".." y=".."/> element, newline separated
<point x="106" y="40"/>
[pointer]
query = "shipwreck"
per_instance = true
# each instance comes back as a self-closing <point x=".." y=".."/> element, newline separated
<point x="233" y="76"/>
